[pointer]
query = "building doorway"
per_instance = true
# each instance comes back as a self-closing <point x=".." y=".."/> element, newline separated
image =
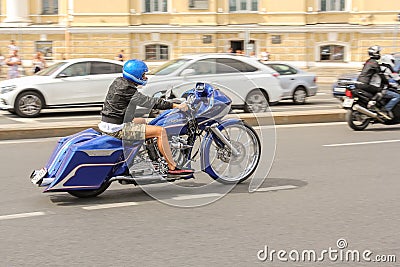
<point x="239" y="46"/>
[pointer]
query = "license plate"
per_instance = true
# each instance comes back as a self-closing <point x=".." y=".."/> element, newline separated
<point x="348" y="102"/>
<point x="38" y="175"/>
<point x="339" y="89"/>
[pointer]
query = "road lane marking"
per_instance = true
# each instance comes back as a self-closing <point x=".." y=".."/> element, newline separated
<point x="197" y="196"/>
<point x="310" y="107"/>
<point x="25" y="120"/>
<point x="299" y="125"/>
<point x="109" y="206"/>
<point x="21" y="215"/>
<point x="363" y="143"/>
<point x="276" y="188"/>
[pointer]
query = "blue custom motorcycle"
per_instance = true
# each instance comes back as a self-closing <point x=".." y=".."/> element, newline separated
<point x="86" y="163"/>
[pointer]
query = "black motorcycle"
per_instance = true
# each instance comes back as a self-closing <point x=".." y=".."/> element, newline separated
<point x="362" y="110"/>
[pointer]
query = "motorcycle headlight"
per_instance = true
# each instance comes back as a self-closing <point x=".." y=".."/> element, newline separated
<point x="8" y="88"/>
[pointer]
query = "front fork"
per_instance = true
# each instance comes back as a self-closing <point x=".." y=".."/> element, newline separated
<point x="214" y="129"/>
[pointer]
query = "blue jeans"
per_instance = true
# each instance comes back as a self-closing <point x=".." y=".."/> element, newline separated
<point x="394" y="99"/>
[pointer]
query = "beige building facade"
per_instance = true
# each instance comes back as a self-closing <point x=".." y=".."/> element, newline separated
<point x="307" y="32"/>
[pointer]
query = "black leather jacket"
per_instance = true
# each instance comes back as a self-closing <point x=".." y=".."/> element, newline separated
<point x="370" y="68"/>
<point x="123" y="98"/>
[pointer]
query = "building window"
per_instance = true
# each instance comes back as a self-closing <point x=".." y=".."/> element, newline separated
<point x="332" y="53"/>
<point x="332" y="5"/>
<point x="49" y="7"/>
<point x="46" y="47"/>
<point x="207" y="39"/>
<point x="155" y="6"/>
<point x="276" y="39"/>
<point x="156" y="52"/>
<point x="243" y="5"/>
<point x="198" y="4"/>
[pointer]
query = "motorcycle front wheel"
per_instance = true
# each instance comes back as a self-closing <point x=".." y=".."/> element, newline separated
<point x="356" y="120"/>
<point x="227" y="168"/>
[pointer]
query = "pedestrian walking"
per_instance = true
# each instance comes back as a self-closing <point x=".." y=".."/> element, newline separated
<point x="120" y="56"/>
<point x="12" y="46"/>
<point x="38" y="62"/>
<point x="13" y="62"/>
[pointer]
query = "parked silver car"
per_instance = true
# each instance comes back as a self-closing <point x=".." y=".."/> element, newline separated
<point x="252" y="84"/>
<point x="297" y="84"/>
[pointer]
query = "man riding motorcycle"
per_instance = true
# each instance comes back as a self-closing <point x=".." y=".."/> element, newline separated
<point x="374" y="81"/>
<point x="117" y="115"/>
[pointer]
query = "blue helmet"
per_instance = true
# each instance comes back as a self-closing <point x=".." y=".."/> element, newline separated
<point x="134" y="70"/>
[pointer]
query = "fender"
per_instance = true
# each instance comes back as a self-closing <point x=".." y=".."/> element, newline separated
<point x="206" y="143"/>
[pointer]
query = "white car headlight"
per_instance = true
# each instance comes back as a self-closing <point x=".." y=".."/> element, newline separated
<point x="9" y="88"/>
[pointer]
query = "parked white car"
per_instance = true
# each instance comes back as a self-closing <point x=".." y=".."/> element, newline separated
<point x="70" y="83"/>
<point x="252" y="84"/>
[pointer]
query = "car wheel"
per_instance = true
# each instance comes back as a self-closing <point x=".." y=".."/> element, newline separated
<point x="28" y="104"/>
<point x="299" y="95"/>
<point x="256" y="101"/>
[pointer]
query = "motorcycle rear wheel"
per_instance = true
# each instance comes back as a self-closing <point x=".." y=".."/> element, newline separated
<point x="88" y="193"/>
<point x="356" y="120"/>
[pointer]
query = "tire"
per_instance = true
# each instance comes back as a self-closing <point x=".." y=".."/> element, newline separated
<point x="356" y="120"/>
<point x="217" y="156"/>
<point x="90" y="192"/>
<point x="28" y="104"/>
<point x="256" y="101"/>
<point x="299" y="95"/>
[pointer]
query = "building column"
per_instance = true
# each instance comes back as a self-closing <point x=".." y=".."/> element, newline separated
<point x="17" y="12"/>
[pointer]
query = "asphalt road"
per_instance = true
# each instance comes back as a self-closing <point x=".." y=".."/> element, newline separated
<point x="322" y="101"/>
<point x="326" y="183"/>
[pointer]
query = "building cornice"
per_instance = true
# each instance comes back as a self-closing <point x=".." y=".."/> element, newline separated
<point x="50" y="29"/>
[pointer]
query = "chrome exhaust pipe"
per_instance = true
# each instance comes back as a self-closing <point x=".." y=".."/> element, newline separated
<point x="366" y="112"/>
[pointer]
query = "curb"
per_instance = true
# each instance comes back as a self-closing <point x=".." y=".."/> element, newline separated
<point x="41" y="130"/>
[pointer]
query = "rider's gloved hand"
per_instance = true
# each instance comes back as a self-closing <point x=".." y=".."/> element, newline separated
<point x="183" y="106"/>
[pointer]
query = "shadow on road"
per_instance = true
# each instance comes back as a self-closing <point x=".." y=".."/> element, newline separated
<point x="136" y="194"/>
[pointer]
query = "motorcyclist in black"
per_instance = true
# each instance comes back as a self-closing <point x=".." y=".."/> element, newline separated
<point x="370" y="71"/>
<point x="373" y="81"/>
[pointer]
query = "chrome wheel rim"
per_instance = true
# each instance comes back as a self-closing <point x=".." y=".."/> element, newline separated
<point x="30" y="105"/>
<point x="234" y="168"/>
<point x="300" y="96"/>
<point x="257" y="103"/>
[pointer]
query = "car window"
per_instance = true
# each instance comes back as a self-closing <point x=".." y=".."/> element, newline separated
<point x="169" y="67"/>
<point x="283" y="69"/>
<point x="104" y="68"/>
<point x="77" y="69"/>
<point x="203" y="67"/>
<point x="229" y="65"/>
<point x="50" y="70"/>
